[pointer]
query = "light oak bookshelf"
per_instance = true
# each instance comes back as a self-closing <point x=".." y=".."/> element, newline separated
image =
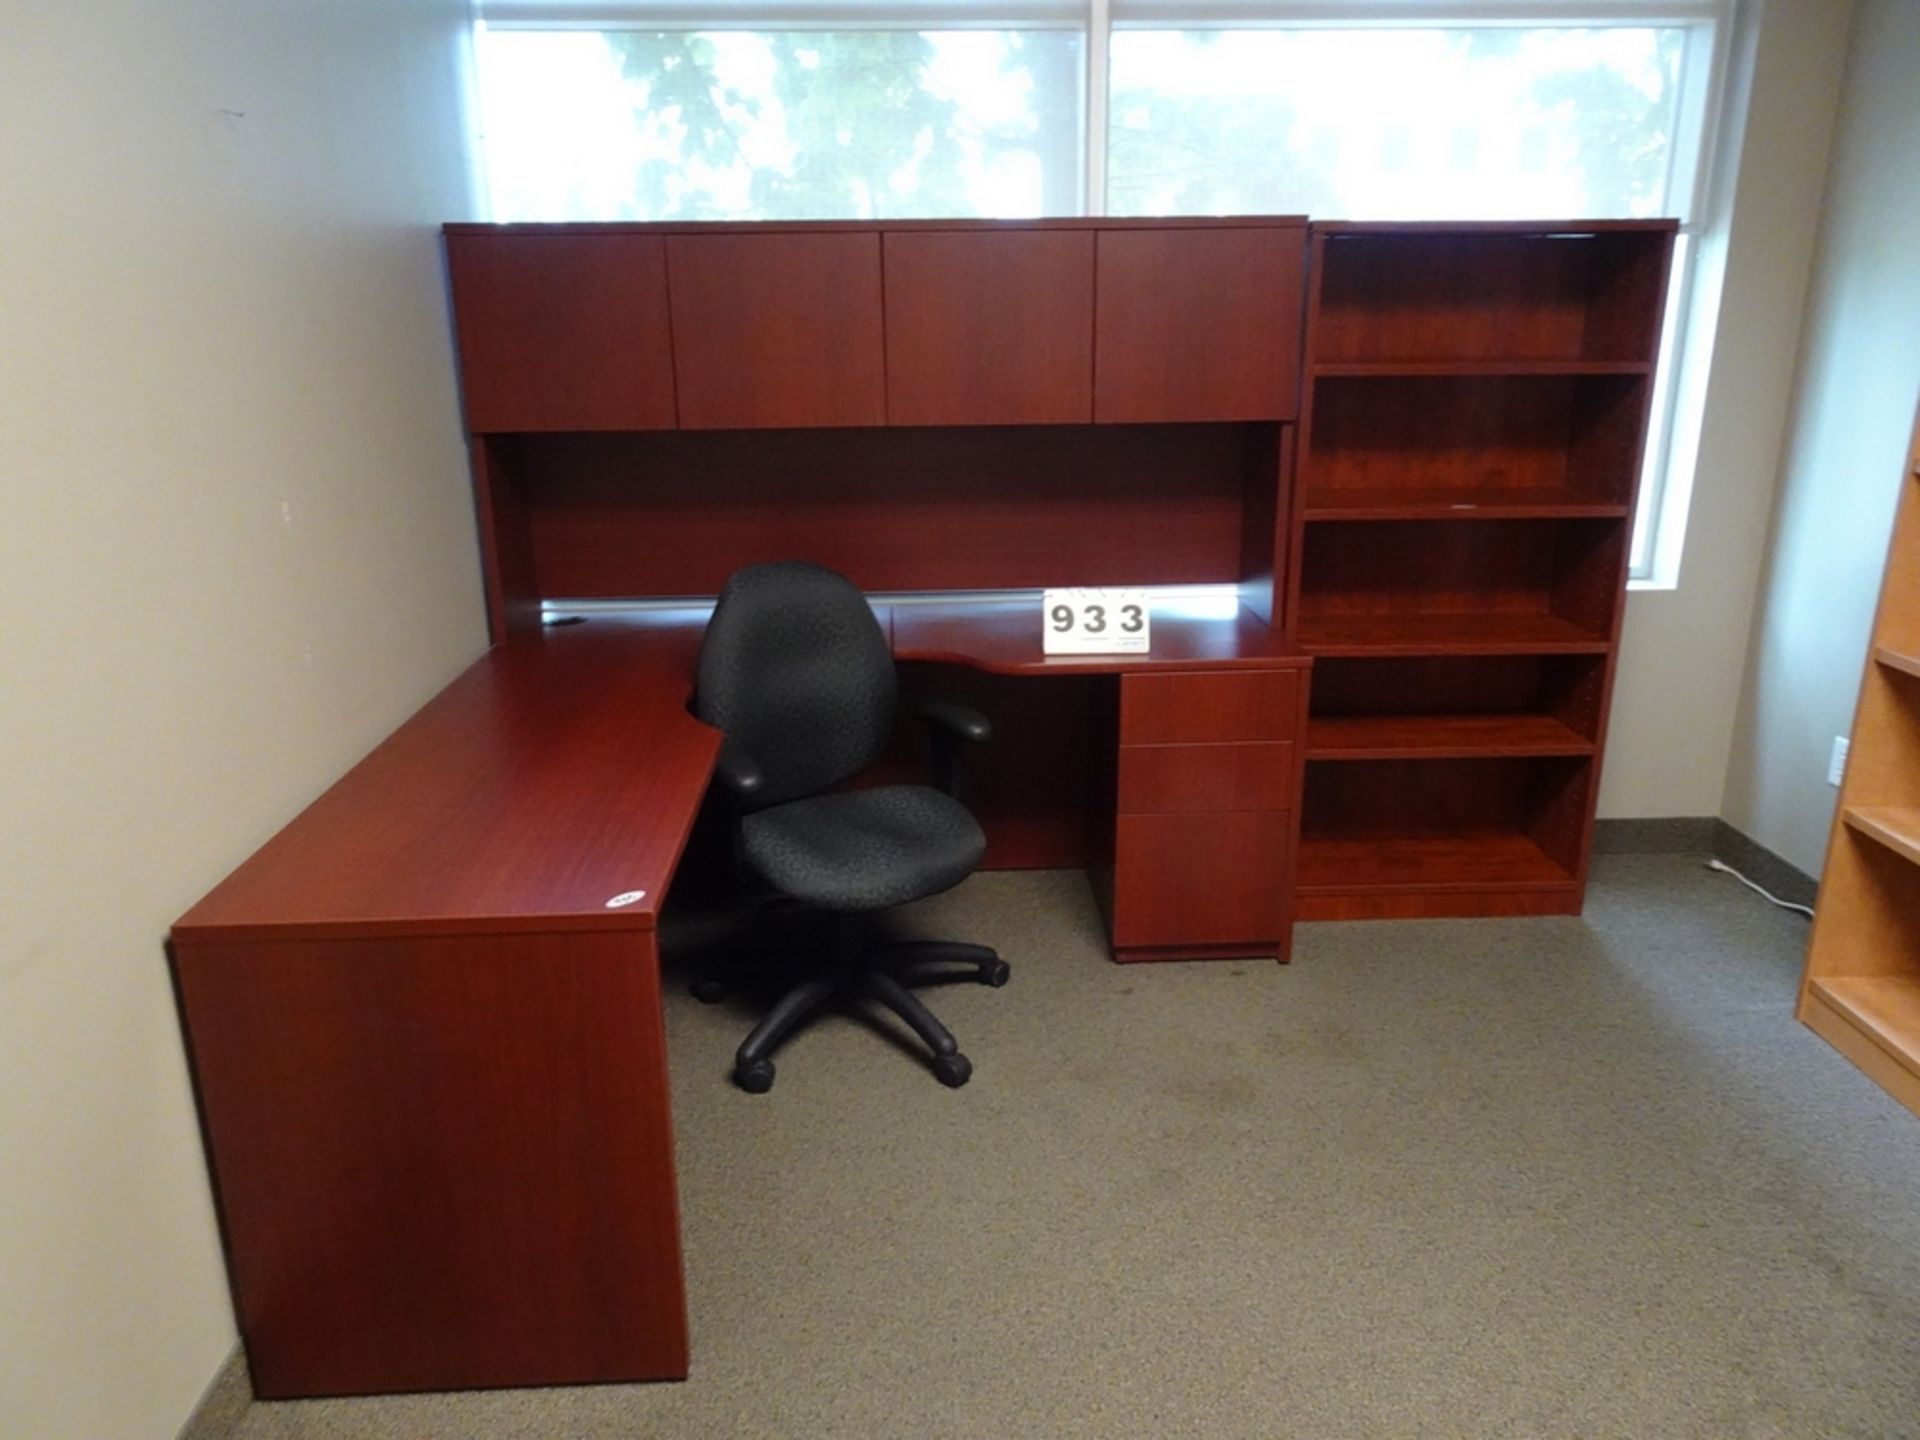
<point x="1861" y="991"/>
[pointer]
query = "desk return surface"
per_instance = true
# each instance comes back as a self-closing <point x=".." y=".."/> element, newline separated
<point x="540" y="784"/>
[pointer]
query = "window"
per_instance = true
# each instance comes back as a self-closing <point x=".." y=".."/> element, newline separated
<point x="1338" y="109"/>
<point x="780" y="124"/>
<point x="1493" y="123"/>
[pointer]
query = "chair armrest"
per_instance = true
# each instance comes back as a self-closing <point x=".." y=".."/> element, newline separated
<point x="952" y="726"/>
<point x="958" y="720"/>
<point x="738" y="770"/>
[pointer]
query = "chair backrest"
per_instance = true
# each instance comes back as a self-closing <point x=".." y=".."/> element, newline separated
<point x="795" y="668"/>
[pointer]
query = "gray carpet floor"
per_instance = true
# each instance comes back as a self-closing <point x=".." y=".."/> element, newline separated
<point x="1555" y="1177"/>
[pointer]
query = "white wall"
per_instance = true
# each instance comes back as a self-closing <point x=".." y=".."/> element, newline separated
<point x="235" y="550"/>
<point x="1684" y="651"/>
<point x="1852" y="411"/>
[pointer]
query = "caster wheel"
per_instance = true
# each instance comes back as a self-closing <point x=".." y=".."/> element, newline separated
<point x="755" y="1079"/>
<point x="709" y="992"/>
<point x="953" y="1070"/>
<point x="995" y="974"/>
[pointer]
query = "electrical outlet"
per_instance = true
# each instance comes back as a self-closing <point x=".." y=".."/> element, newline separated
<point x="1837" y="766"/>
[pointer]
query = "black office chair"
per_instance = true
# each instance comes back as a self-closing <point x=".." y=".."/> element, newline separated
<point x="797" y="674"/>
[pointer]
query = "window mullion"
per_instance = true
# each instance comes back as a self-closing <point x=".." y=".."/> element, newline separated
<point x="1093" y="190"/>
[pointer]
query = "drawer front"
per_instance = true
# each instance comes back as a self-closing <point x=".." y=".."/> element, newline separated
<point x="1200" y="879"/>
<point x="1196" y="779"/>
<point x="1208" y="706"/>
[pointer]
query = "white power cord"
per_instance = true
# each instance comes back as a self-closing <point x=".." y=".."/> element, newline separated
<point x="1759" y="890"/>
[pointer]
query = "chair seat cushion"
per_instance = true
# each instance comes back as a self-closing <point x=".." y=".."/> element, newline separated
<point x="864" y="849"/>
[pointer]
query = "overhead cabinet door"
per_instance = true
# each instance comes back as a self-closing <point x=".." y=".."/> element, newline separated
<point x="989" y="327"/>
<point x="562" y="332"/>
<point x="1199" y="323"/>
<point x="778" y="330"/>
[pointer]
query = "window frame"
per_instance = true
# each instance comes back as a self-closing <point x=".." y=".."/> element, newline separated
<point x="1686" y="336"/>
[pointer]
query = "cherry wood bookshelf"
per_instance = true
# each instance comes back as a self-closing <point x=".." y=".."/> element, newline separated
<point x="1473" y="421"/>
<point x="1861" y="990"/>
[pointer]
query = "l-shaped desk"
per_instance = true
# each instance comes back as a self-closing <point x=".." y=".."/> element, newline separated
<point x="425" y="1019"/>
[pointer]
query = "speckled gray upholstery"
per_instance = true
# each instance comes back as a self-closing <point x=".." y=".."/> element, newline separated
<point x="797" y="672"/>
<point x="864" y="849"/>
<point x="795" y="669"/>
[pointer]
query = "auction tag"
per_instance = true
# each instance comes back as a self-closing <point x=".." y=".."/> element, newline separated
<point x="1094" y="622"/>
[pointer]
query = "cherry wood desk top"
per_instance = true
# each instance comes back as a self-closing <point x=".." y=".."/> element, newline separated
<point x="562" y="769"/>
<point x="558" y="771"/>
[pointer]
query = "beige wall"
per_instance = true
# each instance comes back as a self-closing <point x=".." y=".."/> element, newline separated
<point x="1852" y="410"/>
<point x="1685" y="649"/>
<point x="235" y="550"/>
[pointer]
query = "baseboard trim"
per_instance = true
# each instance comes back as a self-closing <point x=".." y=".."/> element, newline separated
<point x="1762" y="866"/>
<point x="224" y="1403"/>
<point x="1672" y="835"/>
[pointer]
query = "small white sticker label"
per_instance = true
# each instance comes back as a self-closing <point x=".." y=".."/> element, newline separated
<point x="625" y="898"/>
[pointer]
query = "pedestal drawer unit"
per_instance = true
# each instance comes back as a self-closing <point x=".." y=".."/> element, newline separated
<point x="1208" y="774"/>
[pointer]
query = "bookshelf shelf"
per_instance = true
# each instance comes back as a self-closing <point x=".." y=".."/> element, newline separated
<point x="1486" y="860"/>
<point x="1884" y="1008"/>
<point x="1896" y="828"/>
<point x="1417" y="368"/>
<point x="1449" y="634"/>
<point x="1903" y="661"/>
<point x="1440" y="737"/>
<point x="1461" y="503"/>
